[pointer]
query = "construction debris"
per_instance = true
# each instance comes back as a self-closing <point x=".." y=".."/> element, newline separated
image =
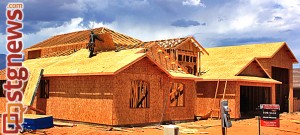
<point x="119" y="129"/>
<point x="295" y="121"/>
<point x="61" y="124"/>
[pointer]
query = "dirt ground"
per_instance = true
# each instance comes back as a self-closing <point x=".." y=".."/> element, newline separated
<point x="289" y="125"/>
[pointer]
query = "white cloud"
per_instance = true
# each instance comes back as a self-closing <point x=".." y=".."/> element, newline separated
<point x="243" y="22"/>
<point x="193" y="3"/>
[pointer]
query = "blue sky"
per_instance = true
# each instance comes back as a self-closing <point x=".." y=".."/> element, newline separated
<point x="211" y="22"/>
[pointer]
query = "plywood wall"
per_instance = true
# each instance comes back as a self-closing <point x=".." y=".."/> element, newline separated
<point x="159" y="90"/>
<point x="205" y="97"/>
<point x="106" y="99"/>
<point x="282" y="60"/>
<point x="206" y="92"/>
<point x="82" y="98"/>
<point x="253" y="69"/>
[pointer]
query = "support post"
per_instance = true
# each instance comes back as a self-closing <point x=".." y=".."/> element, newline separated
<point x="273" y="94"/>
<point x="291" y="91"/>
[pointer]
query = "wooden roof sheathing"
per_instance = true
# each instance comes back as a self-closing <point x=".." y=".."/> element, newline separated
<point x="104" y="63"/>
<point x="227" y="62"/>
<point x="244" y="79"/>
<point x="79" y="63"/>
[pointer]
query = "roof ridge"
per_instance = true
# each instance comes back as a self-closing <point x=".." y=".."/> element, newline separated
<point x="243" y="45"/>
<point x="158" y="40"/>
<point x="78" y="36"/>
<point x="77" y="31"/>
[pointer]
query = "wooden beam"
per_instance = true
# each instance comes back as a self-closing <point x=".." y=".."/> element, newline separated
<point x="141" y="100"/>
<point x="199" y="64"/>
<point x="225" y="89"/>
<point x="37" y="110"/>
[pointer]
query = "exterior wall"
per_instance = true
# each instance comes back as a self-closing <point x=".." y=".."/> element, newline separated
<point x="282" y="60"/>
<point x="105" y="99"/>
<point x="81" y="98"/>
<point x="159" y="90"/>
<point x="253" y="70"/>
<point x="206" y="93"/>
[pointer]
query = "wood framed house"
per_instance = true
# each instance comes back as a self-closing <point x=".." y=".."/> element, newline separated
<point x="154" y="81"/>
<point x="246" y="75"/>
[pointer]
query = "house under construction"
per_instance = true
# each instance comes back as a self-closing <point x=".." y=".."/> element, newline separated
<point x="154" y="81"/>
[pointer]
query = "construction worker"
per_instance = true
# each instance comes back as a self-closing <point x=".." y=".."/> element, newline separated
<point x="91" y="43"/>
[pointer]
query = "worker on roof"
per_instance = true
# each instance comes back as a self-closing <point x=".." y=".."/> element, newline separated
<point x="91" y="44"/>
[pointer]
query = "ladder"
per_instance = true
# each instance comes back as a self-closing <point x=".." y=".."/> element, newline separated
<point x="213" y="109"/>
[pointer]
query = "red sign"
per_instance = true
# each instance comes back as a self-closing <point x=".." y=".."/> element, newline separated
<point x="269" y="115"/>
<point x="270" y="123"/>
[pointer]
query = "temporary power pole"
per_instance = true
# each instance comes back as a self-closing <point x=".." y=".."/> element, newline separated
<point x="225" y="117"/>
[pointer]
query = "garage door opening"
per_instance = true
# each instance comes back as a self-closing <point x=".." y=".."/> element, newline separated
<point x="251" y="97"/>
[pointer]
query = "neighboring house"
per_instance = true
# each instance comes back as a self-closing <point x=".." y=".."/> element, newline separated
<point x="296" y="82"/>
<point x="154" y="81"/>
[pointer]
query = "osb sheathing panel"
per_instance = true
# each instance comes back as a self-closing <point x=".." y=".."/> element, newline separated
<point x="3" y="102"/>
<point x="282" y="60"/>
<point x="206" y="94"/>
<point x="107" y="43"/>
<point x="159" y="86"/>
<point x="78" y="98"/>
<point x="232" y="59"/>
<point x="105" y="62"/>
<point x="86" y="98"/>
<point x="253" y="69"/>
<point x="31" y="87"/>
